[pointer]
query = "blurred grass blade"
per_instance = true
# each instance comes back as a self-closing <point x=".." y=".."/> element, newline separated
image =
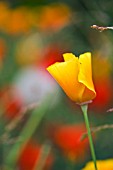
<point x="45" y="151"/>
<point x="27" y="132"/>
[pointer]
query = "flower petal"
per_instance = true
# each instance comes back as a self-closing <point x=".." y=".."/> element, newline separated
<point x="101" y="164"/>
<point x="66" y="74"/>
<point x="69" y="56"/>
<point x="85" y="76"/>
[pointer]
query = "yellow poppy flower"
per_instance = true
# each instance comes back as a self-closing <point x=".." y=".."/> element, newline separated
<point x="101" y="165"/>
<point x="74" y="75"/>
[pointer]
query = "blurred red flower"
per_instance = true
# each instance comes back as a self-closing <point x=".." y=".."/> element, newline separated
<point x="13" y="108"/>
<point x="53" y="53"/>
<point x="29" y="156"/>
<point x="3" y="49"/>
<point x="103" y="89"/>
<point x="68" y="139"/>
<point x="11" y="105"/>
<point x="102" y="80"/>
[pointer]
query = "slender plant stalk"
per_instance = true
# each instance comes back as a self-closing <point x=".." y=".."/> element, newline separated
<point x="84" y="110"/>
<point x="41" y="161"/>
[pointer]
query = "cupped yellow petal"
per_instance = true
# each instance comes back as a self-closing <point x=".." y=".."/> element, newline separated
<point x="101" y="165"/>
<point x="69" y="56"/>
<point x="66" y="74"/>
<point x="85" y="77"/>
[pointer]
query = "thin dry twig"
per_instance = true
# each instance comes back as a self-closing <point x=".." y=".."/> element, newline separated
<point x="101" y="28"/>
<point x="97" y="129"/>
<point x="110" y="110"/>
<point x="21" y="114"/>
<point x="14" y="123"/>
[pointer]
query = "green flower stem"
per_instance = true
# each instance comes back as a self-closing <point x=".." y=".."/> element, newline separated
<point x="84" y="110"/>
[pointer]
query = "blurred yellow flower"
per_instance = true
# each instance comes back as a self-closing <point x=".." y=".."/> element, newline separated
<point x="74" y="75"/>
<point x="29" y="49"/>
<point x="101" y="165"/>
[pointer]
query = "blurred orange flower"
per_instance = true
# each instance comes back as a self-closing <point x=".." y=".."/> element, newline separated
<point x="75" y="76"/>
<point x="68" y="139"/>
<point x="101" y="165"/>
<point x="21" y="19"/>
<point x="30" y="155"/>
<point x="54" y="17"/>
<point x="4" y="15"/>
<point x="19" y="22"/>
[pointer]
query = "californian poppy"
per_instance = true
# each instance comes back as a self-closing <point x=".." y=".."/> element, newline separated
<point x="74" y="75"/>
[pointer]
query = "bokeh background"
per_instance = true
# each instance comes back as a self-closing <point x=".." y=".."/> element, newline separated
<point x="40" y="128"/>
